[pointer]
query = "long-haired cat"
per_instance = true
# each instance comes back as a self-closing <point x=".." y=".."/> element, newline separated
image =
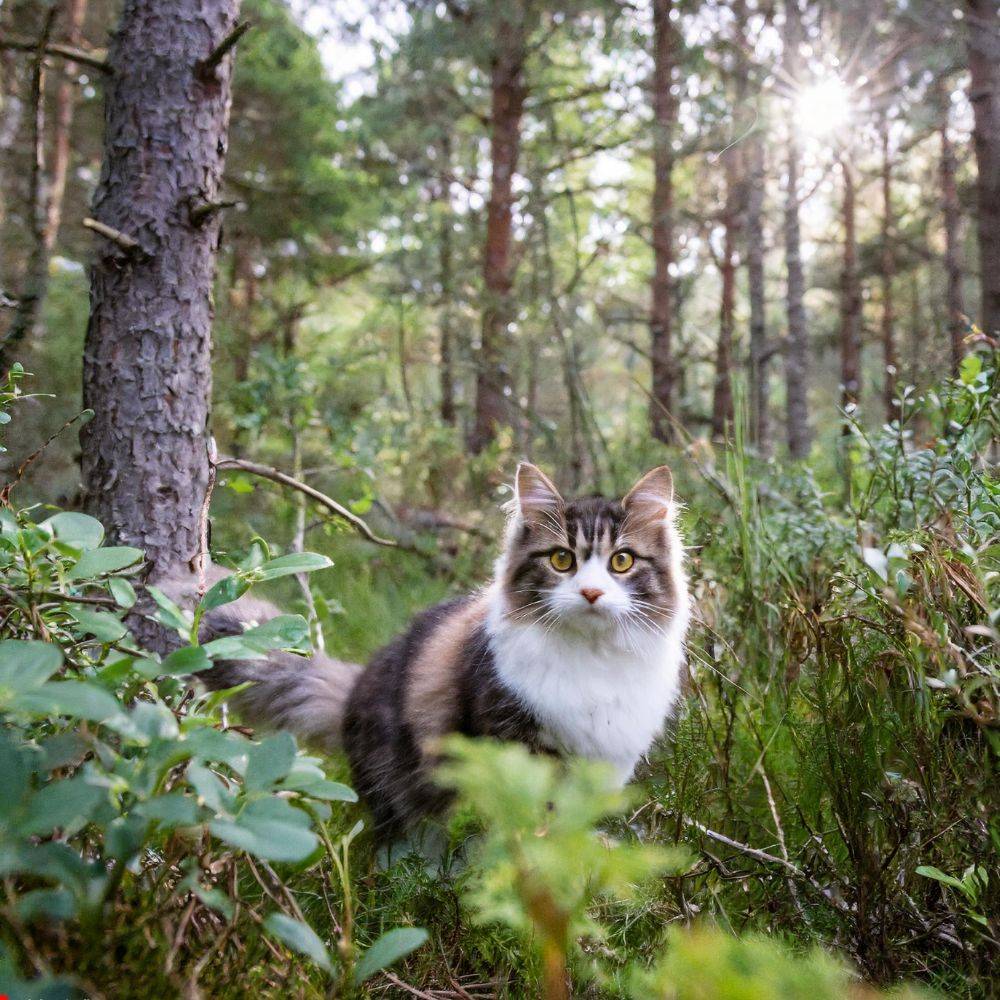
<point x="575" y="647"/>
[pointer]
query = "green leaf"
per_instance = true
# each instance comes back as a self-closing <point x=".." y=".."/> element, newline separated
<point x="328" y="791"/>
<point x="169" y="614"/>
<point x="294" y="562"/>
<point x="280" y="632"/>
<point x="186" y="660"/>
<point x="26" y="664"/>
<point x="929" y="871"/>
<point x="122" y="591"/>
<point x="78" y="530"/>
<point x="96" y="562"/>
<point x="389" y="948"/>
<point x="299" y="937"/>
<point x="102" y="625"/>
<point x="67" y="803"/>
<point x="46" y="905"/>
<point x="214" y="898"/>
<point x="170" y="810"/>
<point x="227" y="590"/>
<point x="270" y="829"/>
<point x="971" y="366"/>
<point x="76" y="698"/>
<point x="269" y="761"/>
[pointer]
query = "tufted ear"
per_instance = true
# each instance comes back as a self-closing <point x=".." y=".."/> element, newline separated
<point x="536" y="496"/>
<point x="651" y="499"/>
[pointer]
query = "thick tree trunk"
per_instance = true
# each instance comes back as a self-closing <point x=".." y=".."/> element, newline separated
<point x="797" y="429"/>
<point x="65" y="101"/>
<point x="983" y="41"/>
<point x="146" y="364"/>
<point x="850" y="297"/>
<point x="890" y="359"/>
<point x="661" y="406"/>
<point x="507" y="107"/>
<point x="952" y="243"/>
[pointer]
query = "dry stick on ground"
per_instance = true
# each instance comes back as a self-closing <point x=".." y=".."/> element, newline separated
<point x="277" y="476"/>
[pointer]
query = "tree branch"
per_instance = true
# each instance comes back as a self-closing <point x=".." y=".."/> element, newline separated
<point x="123" y="240"/>
<point x="95" y="58"/>
<point x="205" y="70"/>
<point x="277" y="476"/>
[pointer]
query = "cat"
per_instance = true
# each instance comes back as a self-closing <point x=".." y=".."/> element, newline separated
<point x="576" y="646"/>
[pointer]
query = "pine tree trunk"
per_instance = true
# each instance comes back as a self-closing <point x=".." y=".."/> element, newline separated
<point x="760" y="423"/>
<point x="890" y="360"/>
<point x="952" y="243"/>
<point x="146" y="365"/>
<point x="507" y="107"/>
<point x="661" y="407"/>
<point x="850" y="297"/>
<point x="722" y="389"/>
<point x="797" y="429"/>
<point x="984" y="92"/>
<point x="445" y="305"/>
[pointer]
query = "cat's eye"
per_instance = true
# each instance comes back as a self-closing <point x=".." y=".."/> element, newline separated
<point x="562" y="560"/>
<point x="622" y="562"/>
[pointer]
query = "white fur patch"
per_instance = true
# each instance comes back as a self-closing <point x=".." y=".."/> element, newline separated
<point x="596" y="695"/>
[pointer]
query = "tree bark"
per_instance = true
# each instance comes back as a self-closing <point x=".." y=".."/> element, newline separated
<point x="890" y="359"/>
<point x="507" y="94"/>
<point x="722" y="389"/>
<point x="760" y="422"/>
<point x="146" y="364"/>
<point x="952" y="241"/>
<point x="661" y="407"/>
<point x="850" y="297"/>
<point x="983" y="42"/>
<point x="797" y="429"/>
<point x="446" y="267"/>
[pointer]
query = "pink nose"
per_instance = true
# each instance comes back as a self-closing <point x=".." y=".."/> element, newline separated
<point x="591" y="594"/>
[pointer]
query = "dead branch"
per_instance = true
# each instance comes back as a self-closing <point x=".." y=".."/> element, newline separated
<point x="206" y="69"/>
<point x="277" y="476"/>
<point x="116" y="236"/>
<point x="95" y="58"/>
<point x="201" y="211"/>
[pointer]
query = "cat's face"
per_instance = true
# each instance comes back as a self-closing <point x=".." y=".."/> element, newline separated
<point x="593" y="566"/>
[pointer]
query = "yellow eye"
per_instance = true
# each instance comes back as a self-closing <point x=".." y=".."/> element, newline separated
<point x="562" y="560"/>
<point x="622" y="562"/>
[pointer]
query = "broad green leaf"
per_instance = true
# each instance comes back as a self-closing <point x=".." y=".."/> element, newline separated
<point x="389" y="948"/>
<point x="122" y="591"/>
<point x="971" y="366"/>
<point x="322" y="788"/>
<point x="78" y="530"/>
<point x="169" y="614"/>
<point x="269" y="761"/>
<point x="215" y="898"/>
<point x="26" y="664"/>
<point x="102" y="625"/>
<point x="270" y="829"/>
<point x="294" y="562"/>
<point x="170" y="810"/>
<point x="280" y="632"/>
<point x="929" y="871"/>
<point x="211" y="791"/>
<point x="71" y="697"/>
<point x="46" y="905"/>
<point x="299" y="937"/>
<point x="227" y="590"/>
<point x="67" y="803"/>
<point x="96" y="562"/>
<point x="186" y="660"/>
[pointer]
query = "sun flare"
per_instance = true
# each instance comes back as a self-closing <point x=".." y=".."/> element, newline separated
<point x="824" y="106"/>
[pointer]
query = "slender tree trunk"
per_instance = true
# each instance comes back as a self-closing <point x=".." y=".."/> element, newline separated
<point x="890" y="359"/>
<point x="797" y="429"/>
<point x="983" y="42"/>
<point x="146" y="364"/>
<point x="507" y="92"/>
<point x="28" y="314"/>
<point x="65" y="100"/>
<point x="760" y="422"/>
<point x="661" y="408"/>
<point x="850" y="297"/>
<point x="952" y="242"/>
<point x="446" y="266"/>
<point x="722" y="390"/>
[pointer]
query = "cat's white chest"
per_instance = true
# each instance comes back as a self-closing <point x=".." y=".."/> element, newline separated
<point x="599" y="702"/>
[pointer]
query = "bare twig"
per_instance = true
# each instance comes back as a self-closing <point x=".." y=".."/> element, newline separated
<point x="277" y="476"/>
<point x="95" y="58"/>
<point x="201" y="211"/>
<point x="116" y="236"/>
<point x="205" y="69"/>
<point x="23" y="467"/>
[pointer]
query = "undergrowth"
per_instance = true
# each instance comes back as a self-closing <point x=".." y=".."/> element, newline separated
<point x="823" y="812"/>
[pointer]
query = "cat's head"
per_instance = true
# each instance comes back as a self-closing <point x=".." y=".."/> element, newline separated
<point x="594" y="566"/>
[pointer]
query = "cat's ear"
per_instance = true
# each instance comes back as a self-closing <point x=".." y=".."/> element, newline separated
<point x="652" y="498"/>
<point x="536" y="496"/>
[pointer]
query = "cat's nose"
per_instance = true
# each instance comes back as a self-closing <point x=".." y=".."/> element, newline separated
<point x="591" y="594"/>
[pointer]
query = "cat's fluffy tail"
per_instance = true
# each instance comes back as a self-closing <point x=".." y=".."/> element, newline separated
<point x="305" y="696"/>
